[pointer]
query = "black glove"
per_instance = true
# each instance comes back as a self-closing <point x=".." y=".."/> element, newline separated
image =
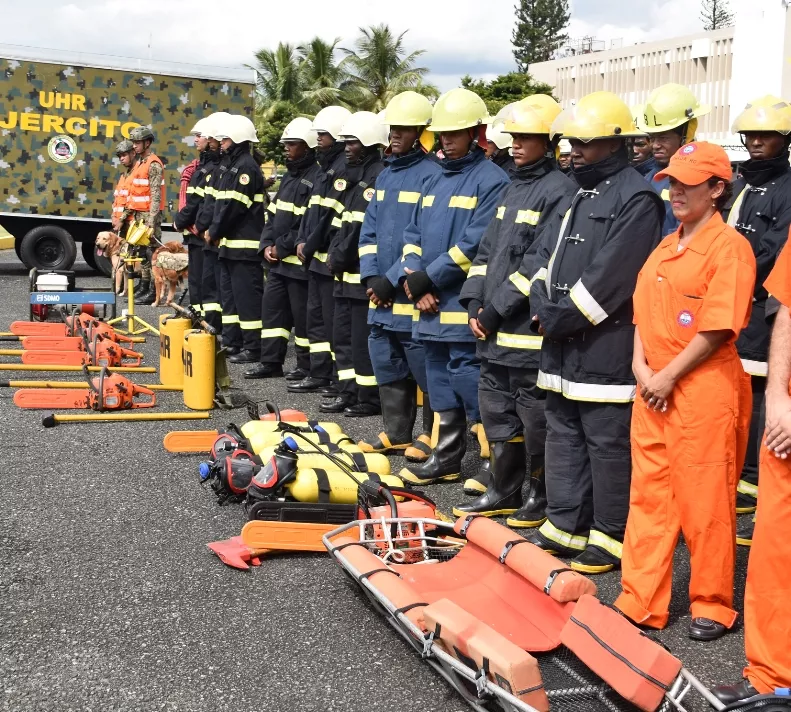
<point x="490" y="319"/>
<point x="382" y="288"/>
<point x="472" y="309"/>
<point x="419" y="283"/>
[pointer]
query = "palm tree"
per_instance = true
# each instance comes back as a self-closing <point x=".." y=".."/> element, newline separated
<point x="321" y="76"/>
<point x="379" y="68"/>
<point x="279" y="76"/>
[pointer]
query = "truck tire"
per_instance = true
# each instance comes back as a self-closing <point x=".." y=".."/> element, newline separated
<point x="48" y="247"/>
<point x="87" y="248"/>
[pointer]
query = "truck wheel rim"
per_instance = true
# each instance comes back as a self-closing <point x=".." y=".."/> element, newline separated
<point x="49" y="251"/>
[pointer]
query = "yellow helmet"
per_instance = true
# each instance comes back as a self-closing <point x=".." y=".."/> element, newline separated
<point x="533" y="115"/>
<point x="408" y="109"/>
<point x="671" y="106"/>
<point x="556" y="129"/>
<point x="459" y="109"/>
<point x="769" y="113"/>
<point x="598" y="115"/>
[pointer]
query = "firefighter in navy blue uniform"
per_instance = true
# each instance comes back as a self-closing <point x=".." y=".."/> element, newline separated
<point x="313" y="241"/>
<point x="398" y="360"/>
<point x="285" y="299"/>
<point x="581" y="298"/>
<point x="358" y="397"/>
<point x="761" y="211"/>
<point x="439" y="247"/>
<point x="210" y="274"/>
<point x="670" y="118"/>
<point x="236" y="228"/>
<point x="496" y="296"/>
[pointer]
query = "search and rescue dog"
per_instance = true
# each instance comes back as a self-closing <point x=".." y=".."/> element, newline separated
<point x="110" y="245"/>
<point x="168" y="266"/>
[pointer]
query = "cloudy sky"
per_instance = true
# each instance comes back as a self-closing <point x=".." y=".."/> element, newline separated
<point x="460" y="36"/>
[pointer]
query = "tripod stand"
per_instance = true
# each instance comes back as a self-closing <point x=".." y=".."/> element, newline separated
<point x="132" y="320"/>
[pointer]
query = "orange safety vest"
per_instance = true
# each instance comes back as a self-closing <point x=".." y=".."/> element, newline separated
<point x="120" y="195"/>
<point x="139" y="198"/>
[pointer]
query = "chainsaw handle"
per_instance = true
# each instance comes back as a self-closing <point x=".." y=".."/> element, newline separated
<point x="142" y="390"/>
<point x="128" y="353"/>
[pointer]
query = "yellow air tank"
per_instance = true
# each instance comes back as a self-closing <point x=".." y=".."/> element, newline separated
<point x="171" y="343"/>
<point x="343" y="488"/>
<point x="198" y="362"/>
<point x="260" y="440"/>
<point x="253" y="427"/>
<point x="374" y="462"/>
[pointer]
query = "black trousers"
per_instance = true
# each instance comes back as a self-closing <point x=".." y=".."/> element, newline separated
<point x="356" y="379"/>
<point x="284" y="306"/>
<point x="195" y="278"/>
<point x="748" y="483"/>
<point x="231" y="331"/>
<point x="512" y="405"/>
<point x="320" y="318"/>
<point x="588" y="474"/>
<point x="247" y="285"/>
<point x="210" y="290"/>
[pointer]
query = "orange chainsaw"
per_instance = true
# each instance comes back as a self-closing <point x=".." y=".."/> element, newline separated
<point x="98" y="352"/>
<point x="73" y="343"/>
<point x="108" y="391"/>
<point x="71" y="326"/>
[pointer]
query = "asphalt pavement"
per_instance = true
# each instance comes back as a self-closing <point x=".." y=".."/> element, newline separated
<point x="110" y="600"/>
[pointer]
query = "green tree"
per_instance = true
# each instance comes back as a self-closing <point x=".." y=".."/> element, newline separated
<point x="715" y="14"/>
<point x="270" y="124"/>
<point x="279" y="76"/>
<point x="540" y="30"/>
<point x="505" y="89"/>
<point x="321" y="75"/>
<point x="379" y="68"/>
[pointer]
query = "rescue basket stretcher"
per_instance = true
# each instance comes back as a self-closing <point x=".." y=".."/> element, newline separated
<point x="494" y="634"/>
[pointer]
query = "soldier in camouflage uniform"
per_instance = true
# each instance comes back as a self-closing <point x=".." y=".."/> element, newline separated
<point x="146" y="202"/>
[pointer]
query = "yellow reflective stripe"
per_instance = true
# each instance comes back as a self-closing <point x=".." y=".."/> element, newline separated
<point x="212" y="307"/>
<point x="500" y="212"/>
<point x="333" y="204"/>
<point x="346" y="374"/>
<point x="314" y="200"/>
<point x="519" y="341"/>
<point x="589" y="392"/>
<point x="190" y="190"/>
<point x="408" y="196"/>
<point x="320" y="347"/>
<point x="258" y="198"/>
<point x="410" y="249"/>
<point x="460" y="258"/>
<point x="367" y="250"/>
<point x="610" y="545"/>
<point x="353" y="216"/>
<point x="230" y="319"/>
<point x="365" y="380"/>
<point x="250" y="325"/>
<point x="337" y="222"/>
<point x="371" y="305"/>
<point x="521" y="282"/>
<point x="416" y="315"/>
<point x="351" y="278"/>
<point x="665" y="195"/>
<point x="570" y="541"/>
<point x="477" y="271"/>
<point x="453" y="318"/>
<point x="531" y="217"/>
<point x="289" y="207"/>
<point x="747" y="488"/>
<point x="272" y="208"/>
<point x="380" y="195"/>
<point x="403" y="309"/>
<point x="320" y="256"/>
<point x="292" y="260"/>
<point x="235" y="195"/>
<point x="587" y="304"/>
<point x="755" y="368"/>
<point x="303" y="343"/>
<point x="541" y="274"/>
<point x="275" y="333"/>
<point x="232" y="244"/>
<point x="428" y="201"/>
<point x="199" y="191"/>
<point x="463" y="201"/>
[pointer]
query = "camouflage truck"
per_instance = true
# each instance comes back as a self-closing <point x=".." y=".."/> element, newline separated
<point x="61" y="118"/>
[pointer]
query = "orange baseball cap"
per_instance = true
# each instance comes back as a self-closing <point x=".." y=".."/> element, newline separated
<point x="696" y="162"/>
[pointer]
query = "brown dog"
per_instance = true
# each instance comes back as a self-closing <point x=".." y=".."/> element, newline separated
<point x="111" y="246"/>
<point x="168" y="266"/>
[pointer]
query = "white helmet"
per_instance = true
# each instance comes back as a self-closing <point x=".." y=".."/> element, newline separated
<point x="237" y="128"/>
<point x="330" y="120"/>
<point x="564" y="147"/>
<point x="382" y="116"/>
<point x="200" y="126"/>
<point x="366" y="127"/>
<point x="213" y="124"/>
<point x="497" y="136"/>
<point x="300" y="129"/>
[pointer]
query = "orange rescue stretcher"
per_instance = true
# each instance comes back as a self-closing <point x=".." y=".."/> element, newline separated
<point x="508" y="625"/>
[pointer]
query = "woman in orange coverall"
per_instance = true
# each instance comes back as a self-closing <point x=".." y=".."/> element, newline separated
<point x="691" y="418"/>
<point x="767" y="623"/>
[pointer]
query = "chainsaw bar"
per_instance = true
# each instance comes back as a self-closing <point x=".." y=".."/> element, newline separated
<point x="284" y="536"/>
<point x="52" y="343"/>
<point x="36" y="328"/>
<point x="52" y="398"/>
<point x="192" y="441"/>
<point x="55" y="358"/>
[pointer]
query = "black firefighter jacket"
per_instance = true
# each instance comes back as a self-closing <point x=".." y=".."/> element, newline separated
<point x="188" y="215"/>
<point x="761" y="211"/>
<point x="285" y="215"/>
<point x="588" y="261"/>
<point x="494" y="281"/>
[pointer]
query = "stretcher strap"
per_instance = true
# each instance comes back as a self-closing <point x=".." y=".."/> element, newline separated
<point x="551" y="578"/>
<point x="620" y="657"/>
<point x="409" y="607"/>
<point x="376" y="571"/>
<point x="466" y="526"/>
<point x="323" y="483"/>
<point x="340" y="547"/>
<point x="510" y="545"/>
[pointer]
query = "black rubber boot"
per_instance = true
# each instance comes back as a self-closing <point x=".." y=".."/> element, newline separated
<point x="533" y="511"/>
<point x="145" y="293"/>
<point x="420" y="449"/>
<point x="444" y="463"/>
<point x="478" y="483"/>
<point x="399" y="410"/>
<point x="504" y="493"/>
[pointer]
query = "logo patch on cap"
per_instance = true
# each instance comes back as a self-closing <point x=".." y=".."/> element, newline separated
<point x="685" y="318"/>
<point x="689" y="148"/>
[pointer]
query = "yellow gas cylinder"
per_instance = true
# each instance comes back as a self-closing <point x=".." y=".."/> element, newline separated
<point x="374" y="461"/>
<point x="171" y="341"/>
<point x="198" y="361"/>
<point x="259" y="441"/>
<point x="343" y="488"/>
<point x="253" y="427"/>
